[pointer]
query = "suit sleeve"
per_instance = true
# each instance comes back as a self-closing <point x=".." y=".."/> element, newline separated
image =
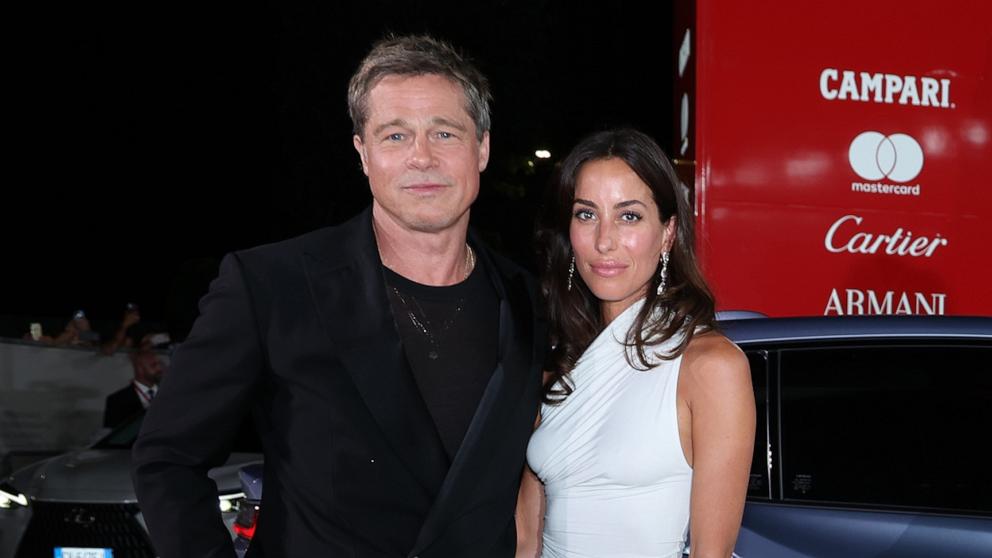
<point x="203" y="399"/>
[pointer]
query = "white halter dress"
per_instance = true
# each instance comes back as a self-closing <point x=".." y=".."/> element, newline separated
<point x="616" y="480"/>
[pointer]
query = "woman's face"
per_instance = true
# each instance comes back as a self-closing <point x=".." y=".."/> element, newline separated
<point x="617" y="234"/>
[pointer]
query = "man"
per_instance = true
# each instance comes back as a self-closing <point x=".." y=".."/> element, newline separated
<point x="392" y="364"/>
<point x="136" y="396"/>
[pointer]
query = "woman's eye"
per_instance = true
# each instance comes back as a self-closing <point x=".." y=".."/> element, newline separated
<point x="630" y="217"/>
<point x="583" y="215"/>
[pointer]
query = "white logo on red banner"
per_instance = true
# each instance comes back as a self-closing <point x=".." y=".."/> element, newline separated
<point x="849" y="85"/>
<point x="875" y="156"/>
<point x="856" y="302"/>
<point x="899" y="242"/>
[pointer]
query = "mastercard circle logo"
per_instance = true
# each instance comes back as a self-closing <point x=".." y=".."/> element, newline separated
<point x="874" y="156"/>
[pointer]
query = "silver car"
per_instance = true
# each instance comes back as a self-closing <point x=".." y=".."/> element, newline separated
<point x="872" y="437"/>
<point x="82" y="504"/>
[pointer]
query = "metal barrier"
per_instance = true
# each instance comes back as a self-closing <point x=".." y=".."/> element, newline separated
<point x="52" y="398"/>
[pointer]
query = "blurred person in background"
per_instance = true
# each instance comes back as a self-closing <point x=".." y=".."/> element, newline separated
<point x="77" y="333"/>
<point x="137" y="396"/>
<point x="36" y="333"/>
<point x="121" y="337"/>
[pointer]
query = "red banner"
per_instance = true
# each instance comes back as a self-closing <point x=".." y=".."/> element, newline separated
<point x="844" y="156"/>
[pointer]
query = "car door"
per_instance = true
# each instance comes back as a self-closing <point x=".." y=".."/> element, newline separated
<point x="871" y="449"/>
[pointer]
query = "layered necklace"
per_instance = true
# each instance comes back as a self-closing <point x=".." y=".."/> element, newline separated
<point x="419" y="318"/>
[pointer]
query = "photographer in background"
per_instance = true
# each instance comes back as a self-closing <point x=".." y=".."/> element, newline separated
<point x="121" y="338"/>
<point x="77" y="333"/>
<point x="36" y="334"/>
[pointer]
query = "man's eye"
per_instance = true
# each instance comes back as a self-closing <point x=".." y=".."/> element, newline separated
<point x="395" y="137"/>
<point x="445" y="135"/>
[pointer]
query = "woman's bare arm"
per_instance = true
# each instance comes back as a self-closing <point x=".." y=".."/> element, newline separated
<point x="530" y="512"/>
<point x="721" y="403"/>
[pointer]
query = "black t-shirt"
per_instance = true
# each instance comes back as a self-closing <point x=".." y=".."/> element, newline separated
<point x="451" y="339"/>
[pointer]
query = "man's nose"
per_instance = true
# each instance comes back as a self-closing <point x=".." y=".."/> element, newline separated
<point x="421" y="154"/>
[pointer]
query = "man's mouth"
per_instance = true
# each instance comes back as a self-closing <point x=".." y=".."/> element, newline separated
<point x="425" y="187"/>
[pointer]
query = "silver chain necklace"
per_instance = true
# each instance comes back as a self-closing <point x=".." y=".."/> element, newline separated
<point x="423" y="324"/>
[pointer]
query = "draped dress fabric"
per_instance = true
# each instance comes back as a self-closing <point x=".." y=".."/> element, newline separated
<point x="616" y="480"/>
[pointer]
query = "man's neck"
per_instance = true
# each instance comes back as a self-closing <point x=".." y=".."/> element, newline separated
<point x="430" y="258"/>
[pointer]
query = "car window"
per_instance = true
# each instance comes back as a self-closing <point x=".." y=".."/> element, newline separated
<point x="891" y="426"/>
<point x="759" y="485"/>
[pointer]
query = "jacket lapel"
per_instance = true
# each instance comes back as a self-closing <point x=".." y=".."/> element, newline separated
<point x="506" y="385"/>
<point x="348" y="287"/>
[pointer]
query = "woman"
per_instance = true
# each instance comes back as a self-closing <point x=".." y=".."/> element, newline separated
<point x="649" y="416"/>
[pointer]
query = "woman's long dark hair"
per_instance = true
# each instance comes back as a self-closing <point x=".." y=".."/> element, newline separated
<point x="575" y="315"/>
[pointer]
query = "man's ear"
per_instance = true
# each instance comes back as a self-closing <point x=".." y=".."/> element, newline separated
<point x="356" y="140"/>
<point x="484" y="151"/>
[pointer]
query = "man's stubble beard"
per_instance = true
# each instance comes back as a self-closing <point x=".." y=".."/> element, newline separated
<point x="425" y="221"/>
<point x="433" y="225"/>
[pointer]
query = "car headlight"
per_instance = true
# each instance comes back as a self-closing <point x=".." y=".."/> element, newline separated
<point x="229" y="503"/>
<point x="10" y="497"/>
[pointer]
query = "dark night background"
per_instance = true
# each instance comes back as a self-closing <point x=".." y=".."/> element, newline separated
<point x="149" y="140"/>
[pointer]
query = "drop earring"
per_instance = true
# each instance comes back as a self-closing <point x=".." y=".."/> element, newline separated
<point x="571" y="271"/>
<point x="664" y="273"/>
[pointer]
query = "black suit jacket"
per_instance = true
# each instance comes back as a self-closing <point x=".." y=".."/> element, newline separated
<point x="301" y="334"/>
<point x="120" y="406"/>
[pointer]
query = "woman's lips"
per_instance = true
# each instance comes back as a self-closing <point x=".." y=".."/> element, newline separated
<point x="608" y="269"/>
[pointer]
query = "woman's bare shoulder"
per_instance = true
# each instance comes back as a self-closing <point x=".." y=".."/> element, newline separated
<point x="711" y="356"/>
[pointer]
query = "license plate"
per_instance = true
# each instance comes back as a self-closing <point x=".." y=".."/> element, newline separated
<point x="66" y="552"/>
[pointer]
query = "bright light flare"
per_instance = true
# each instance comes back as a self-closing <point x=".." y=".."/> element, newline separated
<point x="7" y="498"/>
<point x="227" y="501"/>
